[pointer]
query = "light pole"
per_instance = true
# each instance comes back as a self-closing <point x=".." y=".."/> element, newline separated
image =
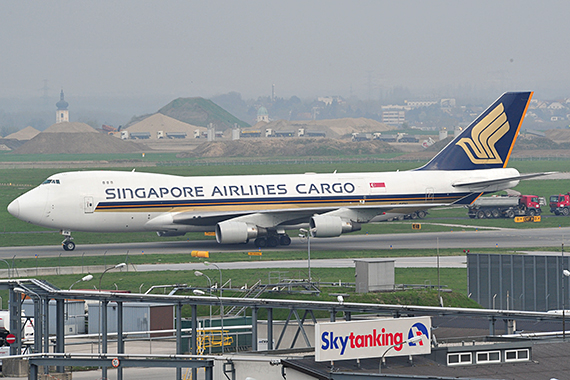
<point x="89" y="277"/>
<point x="118" y="266"/>
<point x="307" y="233"/>
<point x="221" y="286"/>
<point x="414" y="339"/>
<point x="566" y="273"/>
<point x="197" y="273"/>
<point x="103" y="305"/>
<point x="38" y="314"/>
<point x="199" y="292"/>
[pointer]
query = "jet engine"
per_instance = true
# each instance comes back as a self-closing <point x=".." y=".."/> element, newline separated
<point x="230" y="232"/>
<point x="332" y="226"/>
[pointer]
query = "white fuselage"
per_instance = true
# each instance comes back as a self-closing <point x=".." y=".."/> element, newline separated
<point x="112" y="201"/>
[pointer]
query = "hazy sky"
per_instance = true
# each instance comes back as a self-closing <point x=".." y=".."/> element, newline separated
<point x="306" y="48"/>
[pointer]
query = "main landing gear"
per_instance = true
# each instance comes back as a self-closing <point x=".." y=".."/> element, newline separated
<point x="67" y="243"/>
<point x="272" y="241"/>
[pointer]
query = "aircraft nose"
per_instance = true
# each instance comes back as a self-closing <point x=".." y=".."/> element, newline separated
<point x="29" y="207"/>
<point x="14" y="208"/>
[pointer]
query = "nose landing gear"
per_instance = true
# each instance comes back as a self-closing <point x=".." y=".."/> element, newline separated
<point x="67" y="243"/>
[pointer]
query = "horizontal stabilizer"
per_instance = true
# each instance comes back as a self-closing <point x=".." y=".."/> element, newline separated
<point x="490" y="182"/>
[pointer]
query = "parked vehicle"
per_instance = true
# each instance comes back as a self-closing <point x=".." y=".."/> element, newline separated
<point x="560" y="204"/>
<point x="5" y="326"/>
<point x="505" y="207"/>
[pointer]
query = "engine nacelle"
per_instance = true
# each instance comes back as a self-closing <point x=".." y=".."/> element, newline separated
<point x="331" y="226"/>
<point x="230" y="232"/>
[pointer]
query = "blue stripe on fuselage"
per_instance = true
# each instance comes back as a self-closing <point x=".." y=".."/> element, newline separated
<point x="387" y="200"/>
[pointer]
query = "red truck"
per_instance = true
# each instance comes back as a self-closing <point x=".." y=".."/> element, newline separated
<point x="505" y="207"/>
<point x="560" y="204"/>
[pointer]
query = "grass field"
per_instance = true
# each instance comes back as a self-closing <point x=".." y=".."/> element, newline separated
<point x="451" y="279"/>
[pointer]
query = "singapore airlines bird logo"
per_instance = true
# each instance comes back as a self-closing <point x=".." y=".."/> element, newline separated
<point x="480" y="148"/>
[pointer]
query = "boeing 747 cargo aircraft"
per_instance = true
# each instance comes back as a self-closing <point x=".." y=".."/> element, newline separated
<point x="261" y="208"/>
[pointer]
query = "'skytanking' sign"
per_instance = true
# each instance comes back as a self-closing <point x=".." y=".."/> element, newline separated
<point x="370" y="339"/>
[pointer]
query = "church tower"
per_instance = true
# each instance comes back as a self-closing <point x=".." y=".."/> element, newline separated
<point x="62" y="113"/>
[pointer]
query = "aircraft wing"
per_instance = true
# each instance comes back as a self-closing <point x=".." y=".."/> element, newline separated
<point x="276" y="217"/>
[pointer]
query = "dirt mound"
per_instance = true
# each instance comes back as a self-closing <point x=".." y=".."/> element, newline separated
<point x="288" y="148"/>
<point x="75" y="143"/>
<point x="166" y="124"/>
<point x="27" y="133"/>
<point x="558" y="135"/>
<point x="539" y="143"/>
<point x="67" y="127"/>
<point x="201" y="112"/>
<point x="10" y="144"/>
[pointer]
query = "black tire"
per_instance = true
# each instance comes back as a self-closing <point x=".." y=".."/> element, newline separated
<point x="414" y="215"/>
<point x="488" y="214"/>
<point x="284" y="240"/>
<point x="510" y="214"/>
<point x="480" y="214"/>
<point x="260" y="242"/>
<point x="495" y="213"/>
<point x="556" y="212"/>
<point x="531" y="212"/>
<point x="421" y="214"/>
<point x="272" y="241"/>
<point x="565" y="211"/>
<point x="68" y="246"/>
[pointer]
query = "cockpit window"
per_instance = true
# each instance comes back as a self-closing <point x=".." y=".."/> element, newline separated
<point x="52" y="181"/>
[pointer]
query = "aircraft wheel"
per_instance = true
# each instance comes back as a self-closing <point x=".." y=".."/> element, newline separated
<point x="272" y="241"/>
<point x="480" y="214"/>
<point x="68" y="246"/>
<point x="260" y="242"/>
<point x="284" y="240"/>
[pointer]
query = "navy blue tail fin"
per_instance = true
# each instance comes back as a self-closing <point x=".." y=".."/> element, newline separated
<point x="488" y="141"/>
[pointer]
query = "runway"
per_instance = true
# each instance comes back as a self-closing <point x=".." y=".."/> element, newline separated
<point x="503" y="238"/>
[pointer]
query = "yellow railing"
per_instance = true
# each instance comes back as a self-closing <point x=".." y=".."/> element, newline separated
<point x="212" y="338"/>
<point x="206" y="339"/>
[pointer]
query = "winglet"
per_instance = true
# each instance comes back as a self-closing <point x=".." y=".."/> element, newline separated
<point x="489" y="140"/>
